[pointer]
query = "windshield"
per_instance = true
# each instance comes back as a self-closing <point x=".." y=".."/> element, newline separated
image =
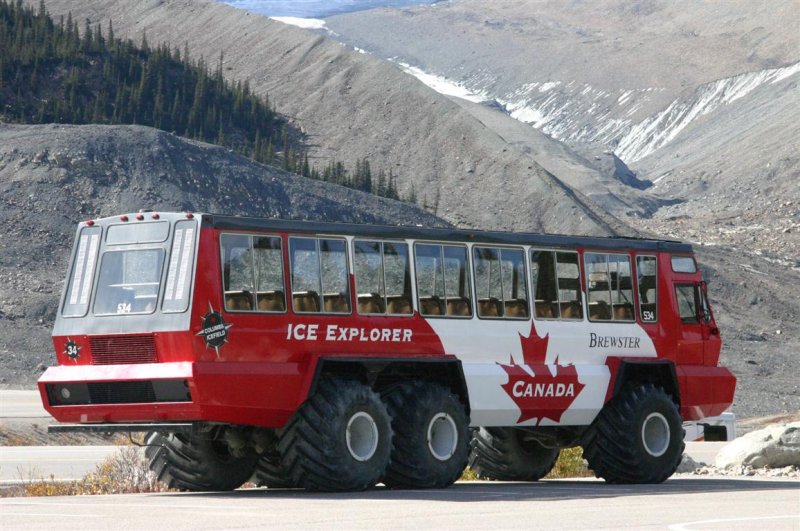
<point x="129" y="281"/>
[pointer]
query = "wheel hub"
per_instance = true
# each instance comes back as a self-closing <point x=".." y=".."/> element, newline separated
<point x="655" y="434"/>
<point x="442" y="436"/>
<point x="362" y="436"/>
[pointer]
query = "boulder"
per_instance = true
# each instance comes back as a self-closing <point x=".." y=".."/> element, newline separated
<point x="773" y="447"/>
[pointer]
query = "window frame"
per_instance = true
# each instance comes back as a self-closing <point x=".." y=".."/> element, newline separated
<point x="84" y="275"/>
<point x="348" y="271"/>
<point x="500" y="248"/>
<point x="639" y="288"/>
<point x="467" y="280"/>
<point x="99" y="267"/>
<point x="608" y="262"/>
<point x="681" y="257"/>
<point x="192" y="265"/>
<point x="411" y="279"/>
<point x="251" y="237"/>
<point x="554" y="252"/>
<point x="695" y="296"/>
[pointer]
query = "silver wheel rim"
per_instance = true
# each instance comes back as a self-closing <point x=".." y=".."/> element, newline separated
<point x="655" y="434"/>
<point x="442" y="436"/>
<point x="362" y="436"/>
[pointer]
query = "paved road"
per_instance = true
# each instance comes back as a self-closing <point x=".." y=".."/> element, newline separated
<point x="25" y="463"/>
<point x="679" y="504"/>
<point x="21" y="404"/>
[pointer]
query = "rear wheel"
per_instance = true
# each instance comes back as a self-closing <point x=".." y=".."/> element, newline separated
<point x="506" y="454"/>
<point x="636" y="438"/>
<point x="339" y="440"/>
<point x="431" y="440"/>
<point x="200" y="462"/>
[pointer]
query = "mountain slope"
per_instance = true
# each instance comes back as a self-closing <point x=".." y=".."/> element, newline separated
<point x="352" y="105"/>
<point x="582" y="71"/>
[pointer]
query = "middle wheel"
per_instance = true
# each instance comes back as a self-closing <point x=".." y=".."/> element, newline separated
<point x="340" y="439"/>
<point x="431" y="441"/>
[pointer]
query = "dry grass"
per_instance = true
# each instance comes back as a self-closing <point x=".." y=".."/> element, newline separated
<point x="125" y="472"/>
<point x="570" y="464"/>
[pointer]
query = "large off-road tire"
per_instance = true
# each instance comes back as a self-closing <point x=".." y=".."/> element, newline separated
<point x="340" y="439"/>
<point x="636" y="438"/>
<point x="271" y="473"/>
<point x="431" y="436"/>
<point x="197" y="462"/>
<point x="505" y="454"/>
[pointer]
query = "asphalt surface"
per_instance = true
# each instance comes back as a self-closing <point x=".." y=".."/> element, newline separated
<point x="678" y="504"/>
<point x="21" y="404"/>
<point x="31" y="463"/>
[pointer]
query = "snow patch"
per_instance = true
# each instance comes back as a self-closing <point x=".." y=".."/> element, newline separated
<point x="443" y="85"/>
<point x="660" y="129"/>
<point x="305" y="23"/>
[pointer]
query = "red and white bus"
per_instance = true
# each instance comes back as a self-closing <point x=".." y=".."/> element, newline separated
<point x="336" y="356"/>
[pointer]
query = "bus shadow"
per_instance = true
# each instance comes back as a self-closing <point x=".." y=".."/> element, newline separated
<point x="476" y="491"/>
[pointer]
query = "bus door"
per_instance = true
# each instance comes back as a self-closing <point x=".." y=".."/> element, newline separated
<point x="696" y="322"/>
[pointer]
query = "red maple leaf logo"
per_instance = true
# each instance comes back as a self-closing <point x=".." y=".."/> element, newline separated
<point x="540" y="392"/>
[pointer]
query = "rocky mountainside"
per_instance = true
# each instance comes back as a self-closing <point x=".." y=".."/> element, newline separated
<point x="52" y="177"/>
<point x="352" y="105"/>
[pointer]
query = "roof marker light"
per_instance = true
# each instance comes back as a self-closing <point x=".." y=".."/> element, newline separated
<point x="139" y="217"/>
<point x="155" y="216"/>
<point x="124" y="218"/>
<point x="189" y="215"/>
<point x="90" y="223"/>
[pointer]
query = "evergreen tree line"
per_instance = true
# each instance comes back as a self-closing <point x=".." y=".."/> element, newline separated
<point x="56" y="73"/>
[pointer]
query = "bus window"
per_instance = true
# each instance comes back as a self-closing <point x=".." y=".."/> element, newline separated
<point x="383" y="278"/>
<point x="598" y="289"/>
<point x="335" y="277"/>
<point x="268" y="256"/>
<point x="442" y="280"/>
<point x="179" y="272"/>
<point x="545" y="288"/>
<point x="78" y="292"/>
<point x="397" y="278"/>
<point x="237" y="272"/>
<point x="619" y="268"/>
<point x="683" y="264"/>
<point x="569" y="285"/>
<point x="686" y="295"/>
<point x="319" y="275"/>
<point x="129" y="281"/>
<point x="500" y="282"/>
<point x="646" y="276"/>
<point x="252" y="271"/>
<point x="609" y="290"/>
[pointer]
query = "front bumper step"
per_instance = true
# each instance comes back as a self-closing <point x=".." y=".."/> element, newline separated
<point x="175" y="427"/>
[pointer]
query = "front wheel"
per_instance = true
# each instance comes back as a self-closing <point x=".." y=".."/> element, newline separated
<point x="339" y="440"/>
<point x="636" y="438"/>
<point x="197" y="462"/>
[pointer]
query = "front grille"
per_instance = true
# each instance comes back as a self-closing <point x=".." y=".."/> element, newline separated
<point x="133" y="392"/>
<point x="115" y="350"/>
<point x="121" y="392"/>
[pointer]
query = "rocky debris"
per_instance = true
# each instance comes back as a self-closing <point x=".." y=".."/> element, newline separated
<point x="787" y="472"/>
<point x="774" y="447"/>
<point x="688" y="464"/>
